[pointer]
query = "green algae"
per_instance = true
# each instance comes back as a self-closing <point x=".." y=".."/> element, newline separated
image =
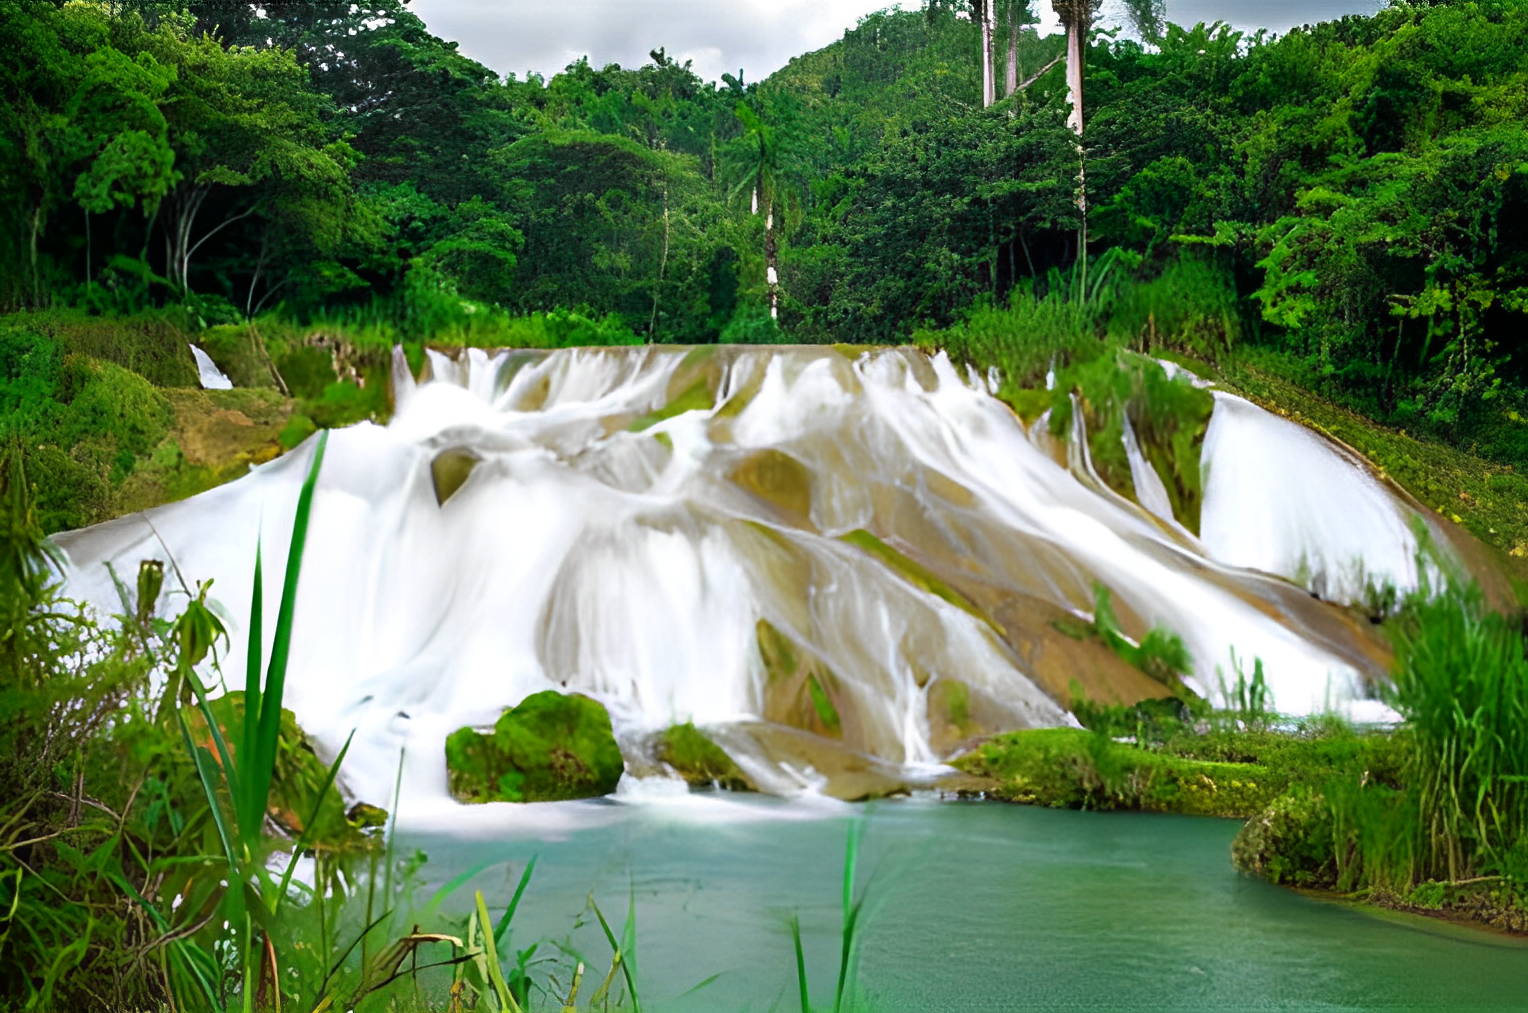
<point x="450" y="470"/>
<point x="778" y="479"/>
<point x="697" y="397"/>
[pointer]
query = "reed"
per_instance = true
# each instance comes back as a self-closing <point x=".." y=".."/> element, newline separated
<point x="1461" y="684"/>
<point x="849" y="932"/>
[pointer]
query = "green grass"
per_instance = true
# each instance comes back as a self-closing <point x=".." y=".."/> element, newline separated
<point x="1068" y="768"/>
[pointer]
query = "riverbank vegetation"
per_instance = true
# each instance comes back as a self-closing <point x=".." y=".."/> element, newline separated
<point x="1427" y="816"/>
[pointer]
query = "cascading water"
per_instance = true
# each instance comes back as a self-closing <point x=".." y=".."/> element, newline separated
<point x="726" y="535"/>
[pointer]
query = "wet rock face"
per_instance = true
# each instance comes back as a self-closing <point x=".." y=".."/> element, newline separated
<point x="550" y="748"/>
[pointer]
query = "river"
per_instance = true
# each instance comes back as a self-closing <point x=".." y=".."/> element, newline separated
<point x="968" y="906"/>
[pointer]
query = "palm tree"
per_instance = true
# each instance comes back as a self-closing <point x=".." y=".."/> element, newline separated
<point x="759" y="163"/>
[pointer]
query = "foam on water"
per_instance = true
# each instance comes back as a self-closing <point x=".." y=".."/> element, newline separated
<point x="624" y="536"/>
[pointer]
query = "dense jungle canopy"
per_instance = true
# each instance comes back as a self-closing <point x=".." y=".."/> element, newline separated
<point x="1351" y="197"/>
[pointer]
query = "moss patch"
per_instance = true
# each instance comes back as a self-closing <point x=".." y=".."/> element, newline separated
<point x="449" y="471"/>
<point x="700" y="761"/>
<point x="778" y="479"/>
<point x="549" y="748"/>
<point x="699" y="396"/>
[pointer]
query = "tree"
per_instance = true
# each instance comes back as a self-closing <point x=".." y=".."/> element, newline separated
<point x="1077" y="19"/>
<point x="124" y="135"/>
<point x="249" y="140"/>
<point x="761" y="163"/>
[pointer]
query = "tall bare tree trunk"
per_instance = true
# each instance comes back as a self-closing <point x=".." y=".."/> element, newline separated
<point x="989" y="83"/>
<point x="1078" y="18"/>
<point x="36" y="278"/>
<point x="1011" y="79"/>
<point x="652" y="324"/>
<point x="1075" y="34"/>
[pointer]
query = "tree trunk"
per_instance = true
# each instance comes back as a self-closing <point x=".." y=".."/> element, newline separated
<point x="178" y="239"/>
<point x="771" y="272"/>
<point x="652" y="324"/>
<point x="249" y="301"/>
<point x="1076" y="38"/>
<point x="989" y="85"/>
<point x="1011" y="79"/>
<point x="36" y="278"/>
<point x="1075" y="33"/>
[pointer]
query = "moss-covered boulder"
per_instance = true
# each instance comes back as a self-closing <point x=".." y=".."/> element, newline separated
<point x="701" y="762"/>
<point x="550" y="748"/>
<point x="1290" y="842"/>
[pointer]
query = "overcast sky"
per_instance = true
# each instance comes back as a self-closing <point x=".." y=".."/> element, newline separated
<point x="760" y="36"/>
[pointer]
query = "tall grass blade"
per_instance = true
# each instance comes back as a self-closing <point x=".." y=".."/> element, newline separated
<point x="631" y="985"/>
<point x="263" y="760"/>
<point x="514" y="902"/>
<point x="307" y="828"/>
<point x="851" y="915"/>
<point x="495" y="972"/>
<point x="806" y="1003"/>
<point x="208" y="781"/>
<point x="248" y="741"/>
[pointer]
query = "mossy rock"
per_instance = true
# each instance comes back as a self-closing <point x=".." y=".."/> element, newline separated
<point x="550" y="748"/>
<point x="701" y="762"/>
<point x="1290" y="842"/>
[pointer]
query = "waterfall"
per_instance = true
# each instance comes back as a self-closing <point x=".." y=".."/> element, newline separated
<point x="207" y="372"/>
<point x="658" y="527"/>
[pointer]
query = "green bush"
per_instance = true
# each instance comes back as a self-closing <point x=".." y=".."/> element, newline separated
<point x="752" y="325"/>
<point x="1190" y="307"/>
<point x="1023" y="340"/>
<point x="1291" y="842"/>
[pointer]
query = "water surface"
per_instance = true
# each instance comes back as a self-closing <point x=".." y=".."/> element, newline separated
<point x="968" y="907"/>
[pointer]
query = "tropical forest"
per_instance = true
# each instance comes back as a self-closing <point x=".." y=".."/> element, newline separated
<point x="1024" y="507"/>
